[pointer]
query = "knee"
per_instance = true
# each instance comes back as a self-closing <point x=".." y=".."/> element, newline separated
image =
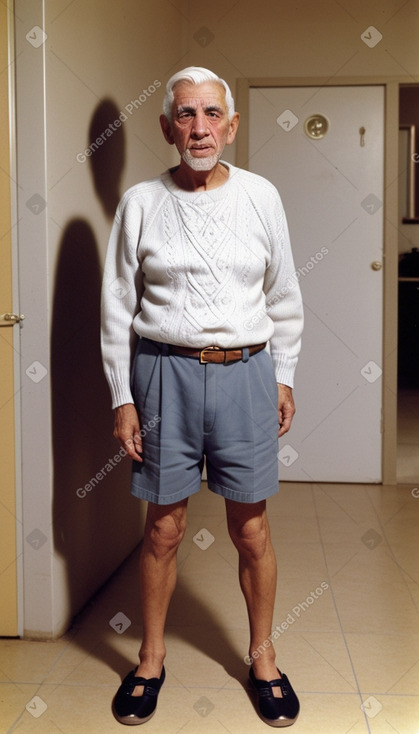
<point x="251" y="537"/>
<point x="165" y="535"/>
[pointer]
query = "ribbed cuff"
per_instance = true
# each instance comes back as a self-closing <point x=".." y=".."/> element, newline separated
<point x="121" y="393"/>
<point x="284" y="370"/>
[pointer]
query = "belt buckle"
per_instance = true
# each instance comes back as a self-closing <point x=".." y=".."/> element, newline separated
<point x="202" y="359"/>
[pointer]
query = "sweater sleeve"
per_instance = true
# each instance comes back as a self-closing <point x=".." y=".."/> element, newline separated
<point x="283" y="298"/>
<point x="121" y="291"/>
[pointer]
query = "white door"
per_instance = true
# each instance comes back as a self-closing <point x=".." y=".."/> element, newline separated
<point x="330" y="178"/>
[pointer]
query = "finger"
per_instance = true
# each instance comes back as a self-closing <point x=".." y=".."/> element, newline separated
<point x="284" y="418"/>
<point x="134" y="447"/>
<point x="138" y="444"/>
<point x="284" y="428"/>
<point x="137" y="438"/>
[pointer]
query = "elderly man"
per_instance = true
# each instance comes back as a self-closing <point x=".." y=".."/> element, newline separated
<point x="198" y="279"/>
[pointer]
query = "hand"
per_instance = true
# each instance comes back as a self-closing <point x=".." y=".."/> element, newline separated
<point x="127" y="430"/>
<point x="286" y="408"/>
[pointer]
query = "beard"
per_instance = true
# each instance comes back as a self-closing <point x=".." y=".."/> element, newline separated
<point x="201" y="164"/>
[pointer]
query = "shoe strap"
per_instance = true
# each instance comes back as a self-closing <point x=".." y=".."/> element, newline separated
<point x="151" y="685"/>
<point x="282" y="682"/>
<point x="267" y="690"/>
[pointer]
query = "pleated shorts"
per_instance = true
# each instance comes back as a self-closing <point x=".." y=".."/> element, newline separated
<point x="226" y="413"/>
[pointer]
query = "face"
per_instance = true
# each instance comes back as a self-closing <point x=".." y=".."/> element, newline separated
<point x="200" y="127"/>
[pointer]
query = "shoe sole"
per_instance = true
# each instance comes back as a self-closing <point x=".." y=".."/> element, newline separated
<point x="278" y="722"/>
<point x="132" y="720"/>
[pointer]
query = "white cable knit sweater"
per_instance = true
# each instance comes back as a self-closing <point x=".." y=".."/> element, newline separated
<point x="199" y="269"/>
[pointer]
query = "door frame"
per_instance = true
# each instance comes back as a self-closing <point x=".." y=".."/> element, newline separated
<point x="17" y="328"/>
<point x="11" y="301"/>
<point x="390" y="244"/>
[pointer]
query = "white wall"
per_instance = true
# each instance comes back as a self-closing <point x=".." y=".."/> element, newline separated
<point x="276" y="38"/>
<point x="93" y="52"/>
<point x="96" y="60"/>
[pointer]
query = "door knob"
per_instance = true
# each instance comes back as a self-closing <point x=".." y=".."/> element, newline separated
<point x="376" y="265"/>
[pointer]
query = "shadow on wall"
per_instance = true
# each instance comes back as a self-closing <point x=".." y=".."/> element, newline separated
<point x="107" y="143"/>
<point x="97" y="522"/>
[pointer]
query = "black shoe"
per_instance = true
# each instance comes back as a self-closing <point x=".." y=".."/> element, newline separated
<point x="276" y="711"/>
<point x="131" y="710"/>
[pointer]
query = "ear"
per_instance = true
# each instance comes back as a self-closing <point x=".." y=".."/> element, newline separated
<point x="234" y="124"/>
<point x="167" y="129"/>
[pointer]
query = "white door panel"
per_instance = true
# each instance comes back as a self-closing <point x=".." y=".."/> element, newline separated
<point x="332" y="190"/>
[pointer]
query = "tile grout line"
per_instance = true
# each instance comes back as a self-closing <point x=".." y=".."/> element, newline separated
<point x="391" y="552"/>
<point x="337" y="612"/>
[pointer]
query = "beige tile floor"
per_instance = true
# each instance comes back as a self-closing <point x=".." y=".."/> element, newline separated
<point x="351" y="652"/>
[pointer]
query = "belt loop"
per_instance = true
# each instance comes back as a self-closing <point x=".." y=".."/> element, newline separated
<point x="245" y="354"/>
<point x="164" y="350"/>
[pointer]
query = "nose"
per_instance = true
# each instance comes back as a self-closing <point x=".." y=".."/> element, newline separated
<point x="200" y="125"/>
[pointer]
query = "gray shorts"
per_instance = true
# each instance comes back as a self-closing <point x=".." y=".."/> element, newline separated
<point x="225" y="412"/>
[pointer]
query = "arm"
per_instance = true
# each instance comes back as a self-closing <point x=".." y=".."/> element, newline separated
<point x="283" y="299"/>
<point x="121" y="289"/>
<point x="121" y="292"/>
<point x="284" y="307"/>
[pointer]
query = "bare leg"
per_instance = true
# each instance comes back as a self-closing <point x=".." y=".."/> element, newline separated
<point x="249" y="530"/>
<point x="164" y="529"/>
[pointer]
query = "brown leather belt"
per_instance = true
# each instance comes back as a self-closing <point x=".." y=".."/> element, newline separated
<point x="216" y="354"/>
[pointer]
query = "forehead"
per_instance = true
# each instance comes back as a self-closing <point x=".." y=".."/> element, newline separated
<point x="195" y="95"/>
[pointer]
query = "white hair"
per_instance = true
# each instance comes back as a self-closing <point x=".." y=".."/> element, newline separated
<point x="195" y="75"/>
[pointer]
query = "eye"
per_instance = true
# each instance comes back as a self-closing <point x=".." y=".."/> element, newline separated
<point x="185" y="114"/>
